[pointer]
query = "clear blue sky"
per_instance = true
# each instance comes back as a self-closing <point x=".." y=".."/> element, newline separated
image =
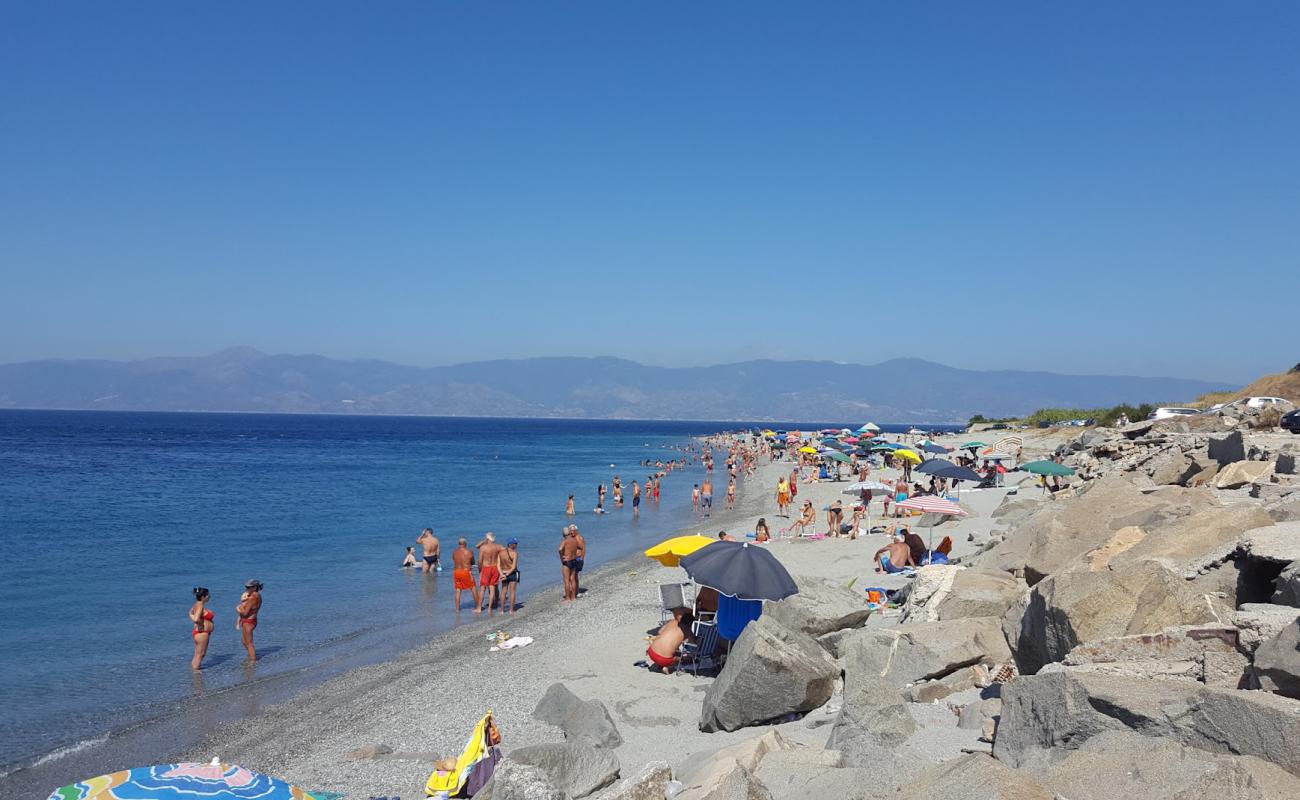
<point x="432" y="182"/>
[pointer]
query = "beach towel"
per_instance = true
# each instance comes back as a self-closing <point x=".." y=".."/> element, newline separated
<point x="478" y="750"/>
<point x="734" y="614"/>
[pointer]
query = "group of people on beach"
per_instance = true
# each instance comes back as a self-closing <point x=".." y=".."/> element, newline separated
<point x="204" y="620"/>
<point x="497" y="584"/>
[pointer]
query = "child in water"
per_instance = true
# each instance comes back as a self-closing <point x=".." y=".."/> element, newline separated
<point x="410" y="558"/>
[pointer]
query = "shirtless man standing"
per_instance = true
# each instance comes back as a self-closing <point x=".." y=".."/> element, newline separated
<point x="579" y="562"/>
<point x="489" y="571"/>
<point x="509" y="575"/>
<point x="706" y="497"/>
<point x="432" y="550"/>
<point x="568" y="557"/>
<point x="462" y="561"/>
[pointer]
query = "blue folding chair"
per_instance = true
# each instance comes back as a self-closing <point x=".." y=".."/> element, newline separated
<point x="702" y="654"/>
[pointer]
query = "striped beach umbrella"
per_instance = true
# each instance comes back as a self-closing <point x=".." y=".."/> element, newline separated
<point x="185" y="781"/>
<point x="928" y="504"/>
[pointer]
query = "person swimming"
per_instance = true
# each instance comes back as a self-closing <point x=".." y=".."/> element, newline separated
<point x="410" y="561"/>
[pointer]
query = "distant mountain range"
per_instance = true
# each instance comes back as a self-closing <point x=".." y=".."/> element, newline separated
<point x="243" y="379"/>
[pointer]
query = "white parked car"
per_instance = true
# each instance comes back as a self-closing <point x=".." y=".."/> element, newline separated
<point x="1264" y="402"/>
<point x="1172" y="411"/>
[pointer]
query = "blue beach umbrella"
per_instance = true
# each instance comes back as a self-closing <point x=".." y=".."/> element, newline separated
<point x="938" y="449"/>
<point x="741" y="570"/>
<point x="186" y="781"/>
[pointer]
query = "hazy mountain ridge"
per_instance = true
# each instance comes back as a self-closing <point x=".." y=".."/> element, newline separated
<point x="243" y="379"/>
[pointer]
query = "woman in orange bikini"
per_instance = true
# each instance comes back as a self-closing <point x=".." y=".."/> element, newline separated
<point x="202" y="618"/>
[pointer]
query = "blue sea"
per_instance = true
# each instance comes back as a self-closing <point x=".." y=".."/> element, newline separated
<point x="107" y="520"/>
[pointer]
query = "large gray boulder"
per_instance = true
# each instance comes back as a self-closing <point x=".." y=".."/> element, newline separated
<point x="814" y="772"/>
<point x="1279" y="543"/>
<point x="1065" y="708"/>
<point x="1063" y="530"/>
<point x="928" y="650"/>
<point x="577" y="769"/>
<point x="1173" y="468"/>
<point x="1209" y="654"/>
<point x="1277" y="662"/>
<point x="980" y="593"/>
<point x="1256" y="623"/>
<point x="820" y="607"/>
<point x="1115" y="764"/>
<point x="1227" y="449"/>
<point x="650" y="783"/>
<point x="514" y="781"/>
<point x="771" y="672"/>
<point x="583" y="721"/>
<point x="1240" y="473"/>
<point x="873" y="713"/>
<point x="1083" y="605"/>
<point x="1287" y="591"/>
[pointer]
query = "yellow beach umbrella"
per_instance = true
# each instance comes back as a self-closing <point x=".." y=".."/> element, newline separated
<point x="908" y="454"/>
<point x="812" y="450"/>
<point x="670" y="553"/>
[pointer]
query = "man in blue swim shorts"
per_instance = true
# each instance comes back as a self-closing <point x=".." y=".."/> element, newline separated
<point x="894" y="557"/>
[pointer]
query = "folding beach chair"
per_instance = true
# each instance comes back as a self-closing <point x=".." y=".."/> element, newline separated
<point x="673" y="595"/>
<point x="703" y="652"/>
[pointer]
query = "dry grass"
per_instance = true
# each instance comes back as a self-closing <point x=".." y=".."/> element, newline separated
<point x="1267" y="419"/>
<point x="1284" y="384"/>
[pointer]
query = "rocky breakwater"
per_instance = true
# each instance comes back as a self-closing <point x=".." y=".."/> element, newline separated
<point x="1137" y="633"/>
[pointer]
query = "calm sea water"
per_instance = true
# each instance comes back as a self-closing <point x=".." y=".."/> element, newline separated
<point x="108" y="519"/>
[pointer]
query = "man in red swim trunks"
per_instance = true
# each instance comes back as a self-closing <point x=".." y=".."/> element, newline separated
<point x="489" y="570"/>
<point x="462" y="560"/>
<point x="662" y="651"/>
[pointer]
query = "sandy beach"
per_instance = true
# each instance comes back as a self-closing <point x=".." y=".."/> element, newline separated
<point x="422" y="705"/>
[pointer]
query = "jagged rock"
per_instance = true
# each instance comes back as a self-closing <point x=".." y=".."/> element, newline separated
<point x="1062" y="531"/>
<point x="577" y="769"/>
<point x="820" y="608"/>
<point x="812" y="772"/>
<point x="771" y="672"/>
<point x="920" y="597"/>
<point x="873" y="712"/>
<point x="957" y="681"/>
<point x="1082" y="606"/>
<point x="1287" y="591"/>
<point x="980" y="593"/>
<point x="1278" y="543"/>
<point x="973" y="777"/>
<point x="514" y="781"/>
<point x="585" y="721"/>
<point x="1063" y="709"/>
<point x="973" y="716"/>
<point x="729" y="773"/>
<point x="1227" y="449"/>
<point x="833" y="642"/>
<point x="929" y="650"/>
<point x="650" y="783"/>
<point x="1240" y="473"/>
<point x="1211" y="653"/>
<point x="1173" y="468"/>
<point x="1256" y="623"/>
<point x="1277" y="662"/>
<point x="1115" y="764"/>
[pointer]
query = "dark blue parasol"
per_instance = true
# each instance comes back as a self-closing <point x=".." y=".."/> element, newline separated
<point x="739" y="569"/>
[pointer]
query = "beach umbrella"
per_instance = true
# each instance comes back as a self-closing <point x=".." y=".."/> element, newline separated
<point x="740" y="570"/>
<point x="806" y="449"/>
<point x="837" y="455"/>
<point x="1008" y="445"/>
<point x="871" y="486"/>
<point x="928" y="466"/>
<point x="185" y="781"/>
<point x="852" y="439"/>
<point x="907" y="454"/>
<point x="670" y="552"/>
<point x="1046" y="468"/>
<point x="953" y="472"/>
<point x="973" y="445"/>
<point x="870" y="426"/>
<point x="931" y="447"/>
<point x="928" y="504"/>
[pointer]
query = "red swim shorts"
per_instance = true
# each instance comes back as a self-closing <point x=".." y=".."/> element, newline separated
<point x="663" y="661"/>
<point x="464" y="579"/>
<point x="489" y="576"/>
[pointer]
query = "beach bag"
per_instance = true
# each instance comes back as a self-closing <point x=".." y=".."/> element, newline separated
<point x="493" y="735"/>
<point x="482" y="771"/>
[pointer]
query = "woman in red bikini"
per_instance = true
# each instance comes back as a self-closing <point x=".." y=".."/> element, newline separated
<point x="250" y="602"/>
<point x="202" y="618"/>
